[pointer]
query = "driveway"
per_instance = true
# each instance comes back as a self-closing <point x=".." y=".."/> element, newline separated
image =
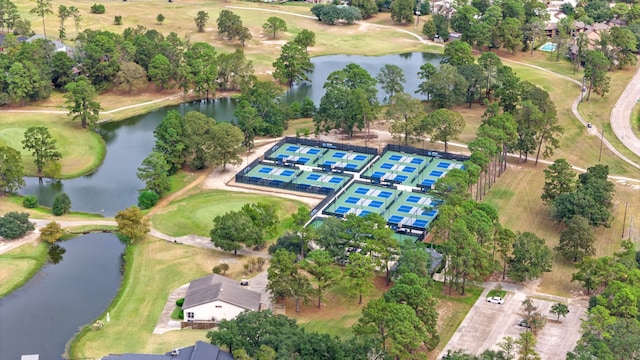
<point x="486" y="324"/>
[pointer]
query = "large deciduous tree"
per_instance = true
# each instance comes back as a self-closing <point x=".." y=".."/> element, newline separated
<point x="11" y="170"/>
<point x="406" y="113"/>
<point x="42" y="145"/>
<point x="292" y="65"/>
<point x="457" y="53"/>
<point x="233" y="229"/>
<point x="224" y="146"/>
<point x="284" y="279"/>
<point x="81" y="101"/>
<point x="443" y="125"/>
<point x="132" y="223"/>
<point x="391" y="79"/>
<point x="274" y="25"/>
<point x="402" y="11"/>
<point x="530" y="258"/>
<point x="161" y="72"/>
<point x="350" y="100"/>
<point x="396" y="325"/>
<point x="577" y="239"/>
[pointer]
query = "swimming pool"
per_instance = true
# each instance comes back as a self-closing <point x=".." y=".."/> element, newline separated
<point x="548" y="47"/>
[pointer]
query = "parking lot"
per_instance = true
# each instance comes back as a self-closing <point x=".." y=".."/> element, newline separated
<point x="487" y="323"/>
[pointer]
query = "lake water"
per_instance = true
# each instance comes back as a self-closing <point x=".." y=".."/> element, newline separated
<point x="41" y="316"/>
<point x="114" y="186"/>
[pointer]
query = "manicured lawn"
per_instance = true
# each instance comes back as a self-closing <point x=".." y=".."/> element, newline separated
<point x="155" y="268"/>
<point x="82" y="150"/>
<point x="20" y="264"/>
<point x="516" y="195"/>
<point x="194" y="213"/>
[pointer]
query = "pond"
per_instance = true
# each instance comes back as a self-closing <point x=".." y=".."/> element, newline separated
<point x="41" y="316"/>
<point x="114" y="186"/>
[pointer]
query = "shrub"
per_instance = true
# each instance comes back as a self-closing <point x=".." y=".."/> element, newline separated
<point x="96" y="326"/>
<point x="30" y="202"/>
<point x="147" y="200"/>
<point x="61" y="204"/>
<point x="217" y="269"/>
<point x="179" y="302"/>
<point x="97" y="9"/>
<point x="14" y="225"/>
<point x="224" y="267"/>
<point x="160" y="18"/>
<point x="117" y="20"/>
<point x="52" y="232"/>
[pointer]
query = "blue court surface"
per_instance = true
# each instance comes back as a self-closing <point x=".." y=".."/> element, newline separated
<point x="361" y="199"/>
<point x="344" y="160"/>
<point x="397" y="168"/>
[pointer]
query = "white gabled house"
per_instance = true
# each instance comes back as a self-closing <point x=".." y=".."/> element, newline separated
<point x="215" y="298"/>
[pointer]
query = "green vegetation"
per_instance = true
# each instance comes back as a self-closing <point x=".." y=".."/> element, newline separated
<point x="155" y="267"/>
<point x="20" y="264"/>
<point x="194" y="213"/>
<point x="82" y="151"/>
<point x="498" y="293"/>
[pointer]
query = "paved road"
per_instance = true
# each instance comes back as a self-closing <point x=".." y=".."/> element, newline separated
<point x="621" y="115"/>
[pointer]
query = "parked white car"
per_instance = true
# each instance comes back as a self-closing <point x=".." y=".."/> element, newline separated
<point x="495" y="300"/>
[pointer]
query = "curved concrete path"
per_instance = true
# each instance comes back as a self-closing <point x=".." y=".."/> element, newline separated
<point x="621" y="115"/>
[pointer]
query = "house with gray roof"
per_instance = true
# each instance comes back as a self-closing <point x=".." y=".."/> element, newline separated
<point x="200" y="351"/>
<point x="215" y="298"/>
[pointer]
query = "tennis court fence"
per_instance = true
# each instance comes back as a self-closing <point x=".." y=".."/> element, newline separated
<point x="425" y="152"/>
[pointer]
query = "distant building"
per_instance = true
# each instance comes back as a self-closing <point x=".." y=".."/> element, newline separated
<point x="59" y="46"/>
<point x="200" y="351"/>
<point x="215" y="298"/>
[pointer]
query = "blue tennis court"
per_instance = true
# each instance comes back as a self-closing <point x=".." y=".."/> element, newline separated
<point x="435" y="170"/>
<point x="397" y="168"/>
<point x="296" y="154"/>
<point x="362" y="199"/>
<point x="321" y="180"/>
<point x="412" y="210"/>
<point x="344" y="160"/>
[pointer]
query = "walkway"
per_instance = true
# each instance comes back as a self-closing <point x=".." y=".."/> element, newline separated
<point x="621" y="115"/>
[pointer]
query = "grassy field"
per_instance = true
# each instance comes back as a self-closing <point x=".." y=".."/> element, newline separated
<point x="82" y="150"/>
<point x="179" y="18"/>
<point x="194" y="213"/>
<point x="20" y="264"/>
<point x="154" y="267"/>
<point x="516" y="195"/>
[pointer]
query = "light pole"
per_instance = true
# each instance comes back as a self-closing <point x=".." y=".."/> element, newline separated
<point x="583" y="89"/>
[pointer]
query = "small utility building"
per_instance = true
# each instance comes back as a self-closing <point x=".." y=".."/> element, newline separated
<point x="215" y="298"/>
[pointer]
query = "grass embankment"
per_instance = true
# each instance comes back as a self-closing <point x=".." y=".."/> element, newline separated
<point x="14" y="203"/>
<point x="516" y="195"/>
<point x="20" y="264"/>
<point x="154" y="269"/>
<point x="82" y="150"/>
<point x="635" y="120"/>
<point x="194" y="213"/>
